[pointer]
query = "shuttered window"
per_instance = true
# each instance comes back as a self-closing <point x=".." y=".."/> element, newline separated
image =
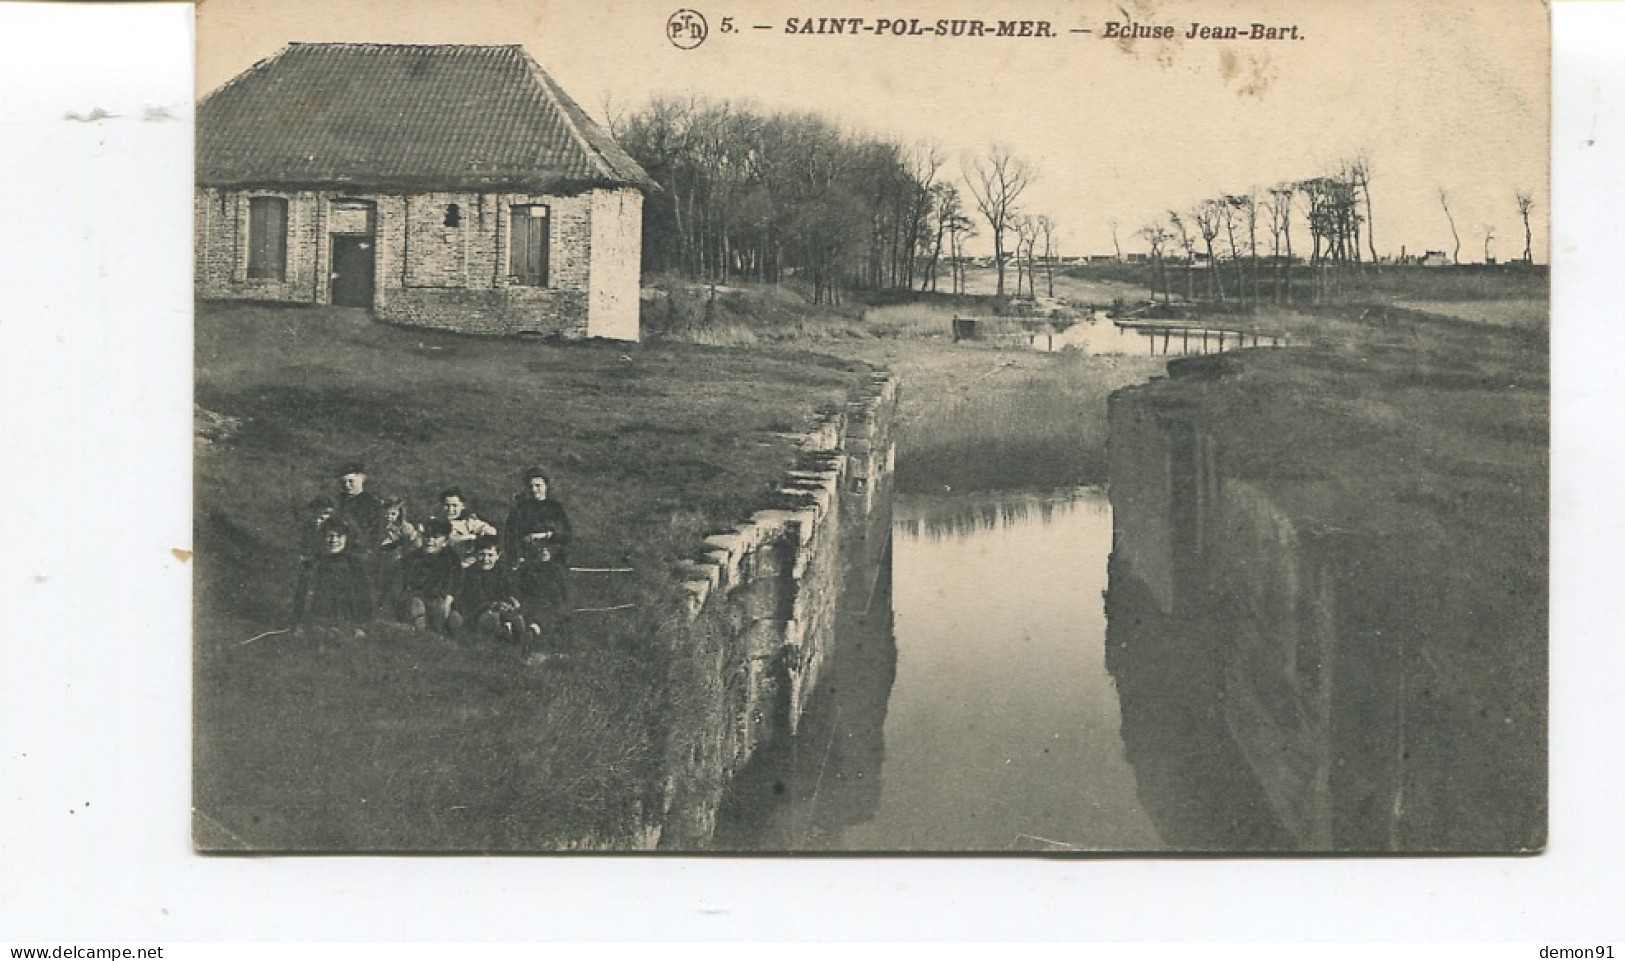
<point x="268" y="238"/>
<point x="527" y="245"/>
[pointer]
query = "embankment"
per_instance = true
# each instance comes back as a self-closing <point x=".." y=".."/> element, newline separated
<point x="1337" y="560"/>
<point x="761" y="608"/>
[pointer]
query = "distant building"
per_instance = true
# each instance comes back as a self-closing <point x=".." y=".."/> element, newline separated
<point x="446" y="186"/>
<point x="1434" y="258"/>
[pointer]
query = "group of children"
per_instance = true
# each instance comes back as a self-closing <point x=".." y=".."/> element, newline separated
<point x="363" y="558"/>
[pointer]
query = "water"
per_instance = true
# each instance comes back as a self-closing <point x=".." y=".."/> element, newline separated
<point x="978" y="714"/>
<point x="1103" y="337"/>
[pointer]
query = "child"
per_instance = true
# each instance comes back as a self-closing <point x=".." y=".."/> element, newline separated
<point x="335" y="591"/>
<point x="539" y="533"/>
<point x="488" y="599"/>
<point x="466" y="526"/>
<point x="431" y="578"/>
<point x="400" y="537"/>
<point x="360" y="507"/>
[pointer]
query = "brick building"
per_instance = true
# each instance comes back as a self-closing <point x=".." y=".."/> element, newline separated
<point x="447" y="186"/>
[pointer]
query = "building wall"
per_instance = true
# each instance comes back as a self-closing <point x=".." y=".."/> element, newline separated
<point x="617" y="256"/>
<point x="221" y="267"/>
<point x="452" y="277"/>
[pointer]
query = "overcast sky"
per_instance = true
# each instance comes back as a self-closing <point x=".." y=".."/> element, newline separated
<point x="1438" y="95"/>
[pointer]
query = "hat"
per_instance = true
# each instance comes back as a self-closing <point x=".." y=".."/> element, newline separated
<point x="352" y="467"/>
<point x="336" y="525"/>
<point x="487" y="540"/>
<point x="321" y="502"/>
<point x="437" y="527"/>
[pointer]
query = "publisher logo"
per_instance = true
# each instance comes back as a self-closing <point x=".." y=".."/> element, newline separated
<point x="686" y="29"/>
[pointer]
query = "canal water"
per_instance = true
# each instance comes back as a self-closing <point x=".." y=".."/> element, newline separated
<point x="968" y="706"/>
<point x="1102" y="337"/>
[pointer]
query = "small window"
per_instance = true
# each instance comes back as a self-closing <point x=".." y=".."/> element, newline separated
<point x="454" y="215"/>
<point x="267" y="238"/>
<point x="527" y="245"/>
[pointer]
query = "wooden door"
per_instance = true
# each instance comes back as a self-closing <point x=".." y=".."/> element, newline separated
<point x="353" y="266"/>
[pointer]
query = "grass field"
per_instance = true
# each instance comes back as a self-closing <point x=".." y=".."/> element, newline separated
<point x="457" y="747"/>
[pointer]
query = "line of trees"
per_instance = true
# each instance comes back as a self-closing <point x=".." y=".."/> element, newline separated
<point x="750" y="195"/>
<point x="754" y="195"/>
<point x="1239" y="246"/>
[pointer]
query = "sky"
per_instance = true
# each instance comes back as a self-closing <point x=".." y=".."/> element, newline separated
<point x="1450" y="96"/>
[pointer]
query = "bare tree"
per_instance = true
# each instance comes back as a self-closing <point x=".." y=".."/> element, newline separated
<point x="997" y="182"/>
<point x="1027" y="234"/>
<point x="1444" y="201"/>
<point x="1360" y="176"/>
<point x="1156" y="237"/>
<point x="1489" y="235"/>
<point x="1116" y="247"/>
<point x="1188" y="244"/>
<point x="1046" y="226"/>
<point x="1526" y="203"/>
<point x="1208" y="216"/>
<point x="1280" y="210"/>
<point x="945" y="213"/>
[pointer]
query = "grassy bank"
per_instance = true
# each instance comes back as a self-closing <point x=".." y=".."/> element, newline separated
<point x="405" y="740"/>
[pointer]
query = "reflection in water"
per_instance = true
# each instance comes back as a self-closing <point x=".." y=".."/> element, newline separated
<point x="1285" y="687"/>
<point x="1002" y="729"/>
<point x="1193" y="781"/>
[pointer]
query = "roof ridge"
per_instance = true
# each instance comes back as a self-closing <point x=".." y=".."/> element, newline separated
<point x="548" y="85"/>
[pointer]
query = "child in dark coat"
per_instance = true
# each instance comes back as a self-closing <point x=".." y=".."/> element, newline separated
<point x="361" y="508"/>
<point x="335" y="590"/>
<point x="488" y="598"/>
<point x="538" y="533"/>
<point x="431" y="577"/>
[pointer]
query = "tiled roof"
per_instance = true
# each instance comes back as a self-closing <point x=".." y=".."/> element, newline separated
<point x="453" y="117"/>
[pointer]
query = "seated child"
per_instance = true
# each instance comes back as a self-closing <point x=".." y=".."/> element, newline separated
<point x="466" y="526"/>
<point x="335" y="591"/>
<point x="538" y="535"/>
<point x="400" y="537"/>
<point x="400" y="534"/>
<point x="488" y="599"/>
<point x="431" y="576"/>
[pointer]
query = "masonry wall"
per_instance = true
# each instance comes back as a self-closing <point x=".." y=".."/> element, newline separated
<point x="432" y="273"/>
<point x="1355" y="674"/>
<point x="761" y="606"/>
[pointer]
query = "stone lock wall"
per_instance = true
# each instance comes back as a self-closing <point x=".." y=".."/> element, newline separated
<point x="760" y="604"/>
<point x="1356" y="673"/>
<point x="431" y="273"/>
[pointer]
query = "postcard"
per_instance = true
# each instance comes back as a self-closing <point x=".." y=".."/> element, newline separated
<point x="1043" y="428"/>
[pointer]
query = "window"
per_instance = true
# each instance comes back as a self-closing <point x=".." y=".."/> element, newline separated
<point x="527" y="245"/>
<point x="454" y="215"/>
<point x="267" y="238"/>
